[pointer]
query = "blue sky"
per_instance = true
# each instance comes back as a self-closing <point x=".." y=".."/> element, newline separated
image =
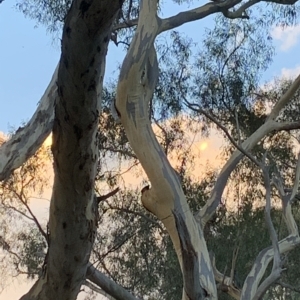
<point x="29" y="56"/>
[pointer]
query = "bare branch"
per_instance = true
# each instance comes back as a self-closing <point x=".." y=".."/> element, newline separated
<point x="97" y="290"/>
<point x="107" y="285"/>
<point x="233" y="263"/>
<point x="214" y="7"/>
<point x="121" y="151"/>
<point x="276" y="269"/>
<point x="136" y="213"/>
<point x="289" y="125"/>
<point x="125" y="24"/>
<point x="297" y="179"/>
<point x="18" y="211"/>
<point x="269" y="222"/>
<point x="115" y="247"/>
<point x="283" y="2"/>
<point x="241" y="11"/>
<point x="225" y="283"/>
<point x="285" y="98"/>
<point x="196" y="14"/>
<point x="37" y="223"/>
<point x="108" y="195"/>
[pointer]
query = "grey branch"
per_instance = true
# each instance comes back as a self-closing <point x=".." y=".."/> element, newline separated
<point x="25" y="142"/>
<point x="297" y="179"/>
<point x="108" y="195"/>
<point x="107" y="285"/>
<point x="126" y="24"/>
<point x="97" y="290"/>
<point x="241" y="11"/>
<point x="276" y="269"/>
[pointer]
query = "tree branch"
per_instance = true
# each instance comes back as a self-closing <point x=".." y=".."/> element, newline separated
<point x="269" y="126"/>
<point x="35" y="220"/>
<point x="225" y="283"/>
<point x="276" y="269"/>
<point x="196" y="14"/>
<point x="297" y="179"/>
<point x="27" y="140"/>
<point x="241" y="11"/>
<point x="261" y="263"/>
<point x="136" y="213"/>
<point x="284" y="99"/>
<point x="125" y="24"/>
<point x="288" y="286"/>
<point x="108" y="195"/>
<point x="251" y="289"/>
<point x="107" y="285"/>
<point x="97" y="290"/>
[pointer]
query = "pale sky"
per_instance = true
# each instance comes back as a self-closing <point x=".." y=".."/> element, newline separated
<point x="28" y="58"/>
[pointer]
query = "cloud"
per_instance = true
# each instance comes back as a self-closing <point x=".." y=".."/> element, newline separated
<point x="288" y="36"/>
<point x="290" y="73"/>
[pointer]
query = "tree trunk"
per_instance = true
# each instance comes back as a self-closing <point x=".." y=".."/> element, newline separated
<point x="73" y="217"/>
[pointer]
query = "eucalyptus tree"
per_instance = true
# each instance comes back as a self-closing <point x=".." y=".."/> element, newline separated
<point x="70" y="108"/>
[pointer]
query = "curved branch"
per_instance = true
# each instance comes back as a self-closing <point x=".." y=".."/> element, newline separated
<point x="270" y="125"/>
<point x="27" y="140"/>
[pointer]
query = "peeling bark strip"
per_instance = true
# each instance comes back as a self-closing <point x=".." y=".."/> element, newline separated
<point x="27" y="140"/>
<point x="72" y="222"/>
<point x="135" y="89"/>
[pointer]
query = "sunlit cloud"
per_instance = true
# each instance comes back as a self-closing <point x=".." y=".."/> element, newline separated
<point x="290" y="73"/>
<point x="287" y="36"/>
